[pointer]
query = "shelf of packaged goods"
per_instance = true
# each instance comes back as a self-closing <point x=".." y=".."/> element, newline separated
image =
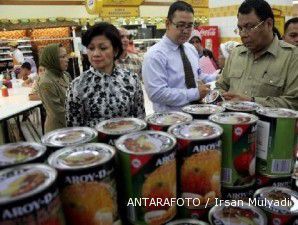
<point x="4" y="53"/>
<point x="5" y="59"/>
<point x="3" y="47"/>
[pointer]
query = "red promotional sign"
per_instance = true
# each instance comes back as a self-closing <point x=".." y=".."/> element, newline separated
<point x="210" y="38"/>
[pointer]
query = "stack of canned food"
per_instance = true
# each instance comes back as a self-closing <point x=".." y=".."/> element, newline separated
<point x="232" y="164"/>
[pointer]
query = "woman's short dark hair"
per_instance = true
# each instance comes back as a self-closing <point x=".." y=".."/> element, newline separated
<point x="109" y="31"/>
<point x="179" y="6"/>
<point x="26" y="65"/>
<point x="261" y="8"/>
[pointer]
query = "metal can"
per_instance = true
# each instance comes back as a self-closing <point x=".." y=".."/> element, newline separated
<point x="239" y="148"/>
<point x="275" y="181"/>
<point x="213" y="97"/>
<point x="202" y="111"/>
<point x="283" y="209"/>
<point x="148" y="164"/>
<point x="86" y="175"/>
<point x="29" y="195"/>
<point x="276" y="141"/>
<point x="235" y="213"/>
<point x="187" y="222"/>
<point x="241" y="106"/>
<point x="20" y="153"/>
<point x="199" y="213"/>
<point x="70" y="136"/>
<point x="112" y="129"/>
<point x="199" y="161"/>
<point x="162" y="121"/>
<point x="243" y="193"/>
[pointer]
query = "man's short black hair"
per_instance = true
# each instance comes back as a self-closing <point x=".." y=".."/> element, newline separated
<point x="109" y="31"/>
<point x="179" y="6"/>
<point x="26" y="65"/>
<point x="287" y="24"/>
<point x="262" y="9"/>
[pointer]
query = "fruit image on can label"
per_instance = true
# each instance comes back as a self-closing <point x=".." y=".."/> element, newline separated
<point x="87" y="183"/>
<point x="199" y="156"/>
<point x="28" y="195"/>
<point x="276" y="141"/>
<point x="239" y="148"/>
<point x="148" y="162"/>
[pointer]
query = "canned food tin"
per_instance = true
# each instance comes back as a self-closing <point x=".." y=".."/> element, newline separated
<point x="28" y="195"/>
<point x="162" y="121"/>
<point x="20" y="153"/>
<point x="239" y="148"/>
<point x="242" y="213"/>
<point x="202" y="111"/>
<point x="112" y="129"/>
<point x="199" y="161"/>
<point x="213" y="97"/>
<point x="280" y="205"/>
<point x="69" y="137"/>
<point x="275" y="181"/>
<point x="147" y="161"/>
<point x="241" y="106"/>
<point x="87" y="183"/>
<point x="238" y="193"/>
<point x="199" y="213"/>
<point x="276" y="141"/>
<point x="187" y="222"/>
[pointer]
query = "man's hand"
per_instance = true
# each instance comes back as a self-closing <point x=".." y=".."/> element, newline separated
<point x="230" y="96"/>
<point x="203" y="90"/>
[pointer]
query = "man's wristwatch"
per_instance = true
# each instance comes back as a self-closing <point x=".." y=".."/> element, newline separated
<point x="253" y="99"/>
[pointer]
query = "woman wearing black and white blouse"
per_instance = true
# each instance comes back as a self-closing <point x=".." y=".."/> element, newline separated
<point x="104" y="91"/>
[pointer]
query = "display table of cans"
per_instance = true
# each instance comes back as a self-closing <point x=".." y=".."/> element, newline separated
<point x="237" y="167"/>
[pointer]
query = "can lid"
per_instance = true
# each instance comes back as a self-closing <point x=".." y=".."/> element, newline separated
<point x="23" y="181"/>
<point x="285" y="200"/>
<point x="241" y="106"/>
<point x="20" y="152"/>
<point x="120" y="126"/>
<point x="69" y="136"/>
<point x="243" y="213"/>
<point x="82" y="156"/>
<point x="187" y="222"/>
<point x="196" y="130"/>
<point x="278" y="112"/>
<point x="168" y="118"/>
<point x="203" y="109"/>
<point x="233" y="118"/>
<point x="211" y="97"/>
<point x="146" y="142"/>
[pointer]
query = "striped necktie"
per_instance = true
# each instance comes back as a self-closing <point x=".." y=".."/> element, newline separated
<point x="189" y="76"/>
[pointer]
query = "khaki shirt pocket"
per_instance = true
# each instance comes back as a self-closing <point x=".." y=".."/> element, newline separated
<point x="235" y="78"/>
<point x="271" y="86"/>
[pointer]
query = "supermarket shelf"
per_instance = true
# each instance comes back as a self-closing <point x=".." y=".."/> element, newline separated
<point x="25" y="46"/>
<point x="4" y="53"/>
<point x="26" y="51"/>
<point x="4" y="47"/>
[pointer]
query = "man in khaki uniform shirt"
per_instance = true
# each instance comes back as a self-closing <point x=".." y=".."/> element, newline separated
<point x="263" y="69"/>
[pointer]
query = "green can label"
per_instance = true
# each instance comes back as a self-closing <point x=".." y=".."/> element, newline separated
<point x="276" y="144"/>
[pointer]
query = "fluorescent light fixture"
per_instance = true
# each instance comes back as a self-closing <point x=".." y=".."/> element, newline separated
<point x="295" y="2"/>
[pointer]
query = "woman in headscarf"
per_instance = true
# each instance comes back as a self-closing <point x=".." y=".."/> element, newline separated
<point x="106" y="90"/>
<point x="52" y="86"/>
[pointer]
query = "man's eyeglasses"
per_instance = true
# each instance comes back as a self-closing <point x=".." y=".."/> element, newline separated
<point x="183" y="26"/>
<point x="247" y="30"/>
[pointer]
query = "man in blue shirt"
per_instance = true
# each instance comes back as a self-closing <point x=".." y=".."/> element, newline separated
<point x="164" y="68"/>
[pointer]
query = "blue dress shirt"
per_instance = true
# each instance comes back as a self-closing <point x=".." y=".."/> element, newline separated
<point x="163" y="75"/>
